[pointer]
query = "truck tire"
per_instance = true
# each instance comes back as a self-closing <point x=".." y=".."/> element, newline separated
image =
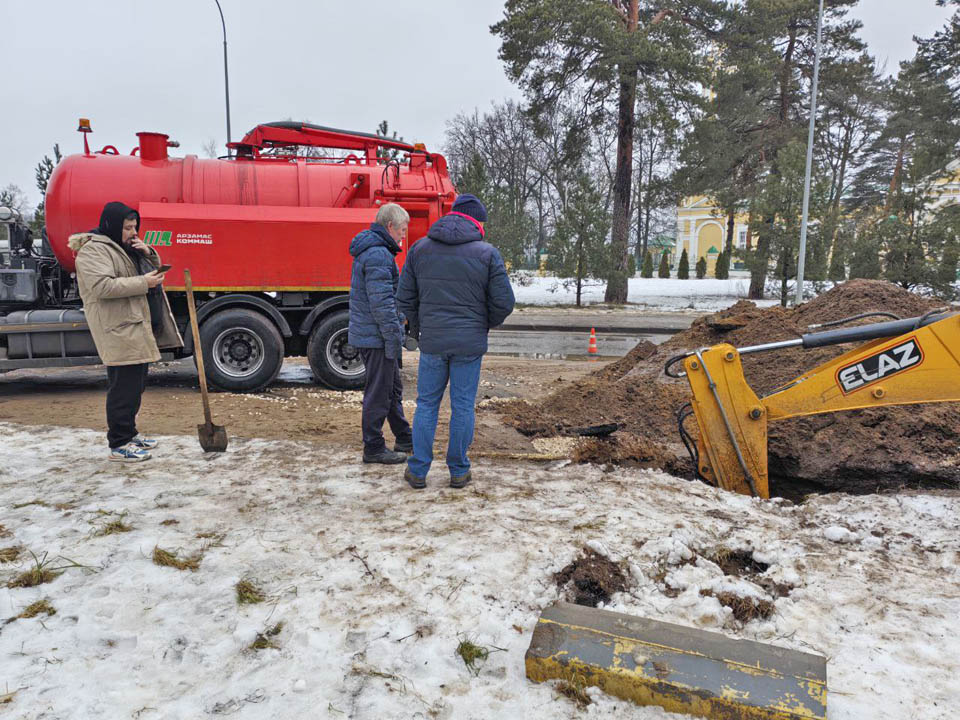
<point x="334" y="361"/>
<point x="242" y="350"/>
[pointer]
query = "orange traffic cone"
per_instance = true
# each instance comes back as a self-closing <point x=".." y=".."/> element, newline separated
<point x="592" y="347"/>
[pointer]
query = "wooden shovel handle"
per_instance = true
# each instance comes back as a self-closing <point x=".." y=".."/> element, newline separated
<point x="197" y="347"/>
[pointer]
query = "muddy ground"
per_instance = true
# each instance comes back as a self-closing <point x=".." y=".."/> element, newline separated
<point x="293" y="409"/>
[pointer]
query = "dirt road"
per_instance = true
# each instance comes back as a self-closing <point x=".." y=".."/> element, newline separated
<point x="293" y="408"/>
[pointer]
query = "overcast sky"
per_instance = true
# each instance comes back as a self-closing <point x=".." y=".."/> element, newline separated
<point x="132" y="65"/>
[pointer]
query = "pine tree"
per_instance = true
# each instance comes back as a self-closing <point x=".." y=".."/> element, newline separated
<point x="865" y="258"/>
<point x="758" y="110"/>
<point x="838" y="269"/>
<point x="578" y="249"/>
<point x="594" y="51"/>
<point x="947" y="270"/>
<point x="664" y="269"/>
<point x="383" y="130"/>
<point x="683" y="269"/>
<point x="42" y="174"/>
<point x="647" y="271"/>
<point x="722" y="271"/>
<point x="701" y="268"/>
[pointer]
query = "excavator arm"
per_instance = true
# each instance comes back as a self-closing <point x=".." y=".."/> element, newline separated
<point x="903" y="362"/>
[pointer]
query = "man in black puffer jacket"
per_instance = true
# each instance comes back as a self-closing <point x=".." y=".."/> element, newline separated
<point x="454" y="288"/>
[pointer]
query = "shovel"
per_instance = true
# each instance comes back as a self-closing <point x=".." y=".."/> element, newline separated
<point x="213" y="438"/>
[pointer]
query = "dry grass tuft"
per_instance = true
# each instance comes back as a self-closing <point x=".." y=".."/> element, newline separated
<point x="39" y="574"/>
<point x="39" y="607"/>
<point x="575" y="691"/>
<point x="170" y="521"/>
<point x="594" y="524"/>
<point x="9" y="554"/>
<point x="744" y="608"/>
<point x="248" y="593"/>
<point x="263" y="640"/>
<point x="4" y="532"/>
<point x="119" y="525"/>
<point x="165" y="558"/>
<point x="41" y="503"/>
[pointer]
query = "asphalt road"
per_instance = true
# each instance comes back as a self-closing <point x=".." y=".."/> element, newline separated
<point x="616" y="321"/>
<point x="565" y="332"/>
<point x="565" y="344"/>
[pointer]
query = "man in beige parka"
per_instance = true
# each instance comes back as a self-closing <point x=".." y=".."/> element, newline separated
<point x="129" y="318"/>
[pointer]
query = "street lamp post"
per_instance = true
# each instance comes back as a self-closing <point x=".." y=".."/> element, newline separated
<point x="806" y="180"/>
<point x="226" y="75"/>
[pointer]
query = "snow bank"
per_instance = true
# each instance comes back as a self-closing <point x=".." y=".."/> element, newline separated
<point x="664" y="293"/>
<point x="376" y="584"/>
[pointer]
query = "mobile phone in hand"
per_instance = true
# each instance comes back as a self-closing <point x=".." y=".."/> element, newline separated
<point x="164" y="268"/>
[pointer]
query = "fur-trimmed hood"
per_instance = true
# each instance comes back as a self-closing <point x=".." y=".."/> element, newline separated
<point x="77" y="241"/>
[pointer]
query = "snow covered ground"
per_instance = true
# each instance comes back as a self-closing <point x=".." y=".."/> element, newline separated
<point x="664" y="294"/>
<point x="375" y="585"/>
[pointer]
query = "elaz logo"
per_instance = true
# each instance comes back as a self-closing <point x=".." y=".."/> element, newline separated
<point x="157" y="237"/>
<point x="905" y="356"/>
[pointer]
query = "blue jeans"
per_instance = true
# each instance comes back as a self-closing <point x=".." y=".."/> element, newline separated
<point x="463" y="372"/>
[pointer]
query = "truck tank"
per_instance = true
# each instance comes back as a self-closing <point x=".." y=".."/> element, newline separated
<point x="264" y="218"/>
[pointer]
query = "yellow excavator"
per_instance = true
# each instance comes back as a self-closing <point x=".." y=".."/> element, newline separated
<point x="916" y="360"/>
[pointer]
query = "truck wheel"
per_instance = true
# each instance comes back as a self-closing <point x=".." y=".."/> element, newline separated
<point x="334" y="361"/>
<point x="242" y="350"/>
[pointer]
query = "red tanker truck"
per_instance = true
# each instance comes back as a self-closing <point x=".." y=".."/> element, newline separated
<point x="264" y="231"/>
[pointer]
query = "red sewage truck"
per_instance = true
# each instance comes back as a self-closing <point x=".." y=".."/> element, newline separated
<point x="265" y="233"/>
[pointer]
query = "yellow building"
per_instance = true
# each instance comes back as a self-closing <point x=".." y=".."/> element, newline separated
<point x="946" y="191"/>
<point x="702" y="231"/>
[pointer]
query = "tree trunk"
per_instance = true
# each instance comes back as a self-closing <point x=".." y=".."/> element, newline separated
<point x="579" y="267"/>
<point x="617" y="287"/>
<point x="730" y="225"/>
<point x="641" y="244"/>
<point x="758" y="273"/>
<point x="784" y="274"/>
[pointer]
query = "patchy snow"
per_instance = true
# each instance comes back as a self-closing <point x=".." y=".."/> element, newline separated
<point x="838" y="534"/>
<point x="668" y="294"/>
<point x="376" y="584"/>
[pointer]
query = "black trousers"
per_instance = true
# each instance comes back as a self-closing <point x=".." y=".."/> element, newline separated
<point x="125" y="384"/>
<point x="382" y="400"/>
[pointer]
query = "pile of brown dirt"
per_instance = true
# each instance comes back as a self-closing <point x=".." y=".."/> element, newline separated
<point x="854" y="451"/>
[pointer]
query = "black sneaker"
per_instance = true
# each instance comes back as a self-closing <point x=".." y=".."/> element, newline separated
<point x="404" y="447"/>
<point x="460" y="481"/>
<point x="385" y="457"/>
<point x="413" y="481"/>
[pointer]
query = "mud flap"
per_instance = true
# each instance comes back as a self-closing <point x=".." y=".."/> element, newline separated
<point x="681" y="669"/>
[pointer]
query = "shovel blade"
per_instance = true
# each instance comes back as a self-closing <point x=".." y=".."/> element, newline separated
<point x="213" y="438"/>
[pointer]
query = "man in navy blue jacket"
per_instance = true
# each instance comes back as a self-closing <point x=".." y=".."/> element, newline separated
<point x="454" y="288"/>
<point x="376" y="328"/>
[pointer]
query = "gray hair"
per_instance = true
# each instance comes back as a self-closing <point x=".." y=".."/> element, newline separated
<point x="392" y="214"/>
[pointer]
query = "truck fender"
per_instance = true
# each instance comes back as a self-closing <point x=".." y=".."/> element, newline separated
<point x="238" y="300"/>
<point x="322" y="309"/>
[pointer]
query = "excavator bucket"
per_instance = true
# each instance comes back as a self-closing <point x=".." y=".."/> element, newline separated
<point x="732" y="448"/>
<point x="681" y="669"/>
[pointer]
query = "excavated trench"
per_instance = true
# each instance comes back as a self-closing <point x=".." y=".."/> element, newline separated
<point x="861" y="451"/>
